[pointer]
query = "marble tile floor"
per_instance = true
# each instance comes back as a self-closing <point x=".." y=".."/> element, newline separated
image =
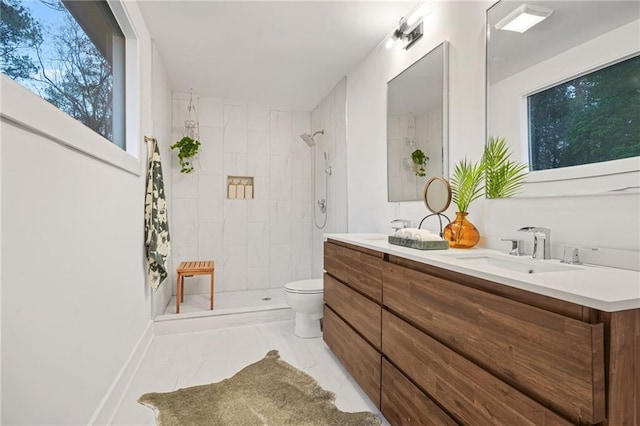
<point x="180" y="360"/>
<point x="226" y="302"/>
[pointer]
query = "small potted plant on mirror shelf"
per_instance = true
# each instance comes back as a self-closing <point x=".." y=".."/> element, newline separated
<point x="466" y="186"/>
<point x="187" y="151"/>
<point x="419" y="159"/>
<point x="503" y="177"/>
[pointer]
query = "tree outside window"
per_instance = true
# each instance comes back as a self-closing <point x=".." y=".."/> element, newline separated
<point x="587" y="120"/>
<point x="46" y="50"/>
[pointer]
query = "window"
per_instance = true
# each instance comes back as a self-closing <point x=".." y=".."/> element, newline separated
<point x="590" y="119"/>
<point x="70" y="53"/>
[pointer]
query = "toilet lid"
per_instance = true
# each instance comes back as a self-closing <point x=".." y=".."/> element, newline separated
<point x="305" y="286"/>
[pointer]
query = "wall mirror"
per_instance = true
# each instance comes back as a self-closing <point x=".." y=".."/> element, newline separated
<point x="553" y="87"/>
<point x="417" y="125"/>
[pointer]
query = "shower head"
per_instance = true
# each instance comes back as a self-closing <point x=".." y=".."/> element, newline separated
<point x="308" y="139"/>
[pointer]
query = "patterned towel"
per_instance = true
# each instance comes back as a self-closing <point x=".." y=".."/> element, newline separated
<point x="156" y="224"/>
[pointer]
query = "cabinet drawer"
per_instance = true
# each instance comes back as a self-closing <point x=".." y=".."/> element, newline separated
<point x="361" y="313"/>
<point x="360" y="359"/>
<point x="404" y="404"/>
<point x="359" y="270"/>
<point x="554" y="359"/>
<point x="472" y="395"/>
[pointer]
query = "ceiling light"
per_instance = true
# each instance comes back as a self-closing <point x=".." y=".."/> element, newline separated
<point x="523" y="18"/>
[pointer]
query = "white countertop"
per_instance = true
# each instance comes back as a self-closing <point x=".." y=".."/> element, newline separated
<point x="599" y="287"/>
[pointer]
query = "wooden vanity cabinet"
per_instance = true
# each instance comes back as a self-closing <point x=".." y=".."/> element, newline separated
<point x="363" y="314"/>
<point x="432" y="346"/>
<point x="467" y="391"/>
<point x="357" y="267"/>
<point x="353" y="313"/>
<point x="403" y="403"/>
<point x="557" y="360"/>
<point x="360" y="359"/>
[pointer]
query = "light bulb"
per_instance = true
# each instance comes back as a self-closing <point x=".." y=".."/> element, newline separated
<point x="389" y="43"/>
<point x="424" y="8"/>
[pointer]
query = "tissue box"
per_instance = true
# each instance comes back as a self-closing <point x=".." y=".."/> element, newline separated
<point x="419" y="245"/>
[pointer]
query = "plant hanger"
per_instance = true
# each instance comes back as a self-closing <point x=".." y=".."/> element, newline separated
<point x="188" y="147"/>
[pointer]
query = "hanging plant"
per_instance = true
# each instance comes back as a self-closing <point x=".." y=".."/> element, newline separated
<point x="419" y="159"/>
<point x="188" y="149"/>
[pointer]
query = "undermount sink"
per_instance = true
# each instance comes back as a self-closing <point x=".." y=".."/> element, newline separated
<point x="521" y="265"/>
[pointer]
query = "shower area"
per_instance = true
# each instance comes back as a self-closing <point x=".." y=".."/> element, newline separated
<point x="329" y="171"/>
<point x="297" y="163"/>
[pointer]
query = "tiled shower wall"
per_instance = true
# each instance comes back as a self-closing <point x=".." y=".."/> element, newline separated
<point x="331" y="116"/>
<point x="259" y="243"/>
<point x="406" y="133"/>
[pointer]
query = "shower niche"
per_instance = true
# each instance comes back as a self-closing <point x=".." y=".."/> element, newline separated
<point x="240" y="188"/>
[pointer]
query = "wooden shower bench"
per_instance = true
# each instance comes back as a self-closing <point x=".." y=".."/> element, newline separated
<point x="189" y="269"/>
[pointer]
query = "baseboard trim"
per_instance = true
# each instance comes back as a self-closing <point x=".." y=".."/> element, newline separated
<point x="231" y="319"/>
<point x="112" y="400"/>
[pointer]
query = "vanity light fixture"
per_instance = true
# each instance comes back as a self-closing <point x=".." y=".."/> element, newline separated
<point x="423" y="9"/>
<point x="409" y="30"/>
<point x="523" y="18"/>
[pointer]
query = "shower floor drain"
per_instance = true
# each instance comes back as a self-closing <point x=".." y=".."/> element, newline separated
<point x="266" y="299"/>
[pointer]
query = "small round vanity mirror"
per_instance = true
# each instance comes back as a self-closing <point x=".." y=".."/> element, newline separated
<point x="437" y="194"/>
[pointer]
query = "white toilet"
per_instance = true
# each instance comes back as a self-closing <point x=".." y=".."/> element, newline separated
<point x="305" y="298"/>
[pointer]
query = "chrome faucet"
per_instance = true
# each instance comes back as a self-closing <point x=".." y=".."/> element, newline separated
<point x="540" y="233"/>
<point x="517" y="246"/>
<point x="398" y="224"/>
<point x="571" y="254"/>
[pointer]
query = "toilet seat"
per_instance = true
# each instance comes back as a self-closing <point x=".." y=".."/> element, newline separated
<point x="314" y="286"/>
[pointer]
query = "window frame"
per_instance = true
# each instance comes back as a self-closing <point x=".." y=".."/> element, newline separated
<point x="580" y="171"/>
<point x="25" y="109"/>
<point x="506" y="116"/>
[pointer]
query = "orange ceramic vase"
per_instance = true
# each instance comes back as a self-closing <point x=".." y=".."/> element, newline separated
<point x="461" y="233"/>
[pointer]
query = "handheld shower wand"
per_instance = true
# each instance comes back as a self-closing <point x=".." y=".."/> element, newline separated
<point x="322" y="204"/>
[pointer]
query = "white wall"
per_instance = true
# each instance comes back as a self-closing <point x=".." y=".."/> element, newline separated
<point x="161" y="103"/>
<point x="462" y="24"/>
<point x="74" y="297"/>
<point x="330" y="116"/>
<point x="609" y="222"/>
<point x="259" y="243"/>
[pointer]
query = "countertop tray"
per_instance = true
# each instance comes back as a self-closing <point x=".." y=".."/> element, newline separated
<point x="419" y="245"/>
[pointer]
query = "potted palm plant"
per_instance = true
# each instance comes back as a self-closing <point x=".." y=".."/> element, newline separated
<point x="466" y="186"/>
<point x="495" y="176"/>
